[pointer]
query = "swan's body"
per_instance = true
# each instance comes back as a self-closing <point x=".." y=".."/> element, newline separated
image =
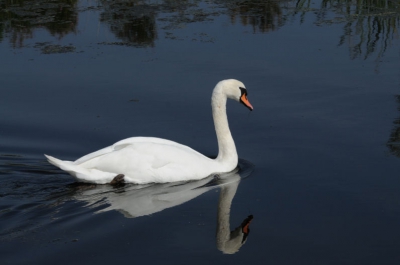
<point x="146" y="159"/>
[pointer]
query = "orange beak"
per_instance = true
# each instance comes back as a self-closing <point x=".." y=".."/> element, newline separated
<point x="246" y="102"/>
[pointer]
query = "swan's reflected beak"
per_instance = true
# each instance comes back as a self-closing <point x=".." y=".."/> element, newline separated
<point x="246" y="227"/>
<point x="246" y="102"/>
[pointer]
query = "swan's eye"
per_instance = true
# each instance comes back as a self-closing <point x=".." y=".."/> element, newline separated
<point x="243" y="91"/>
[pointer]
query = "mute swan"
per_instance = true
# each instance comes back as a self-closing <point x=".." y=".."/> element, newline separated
<point x="142" y="160"/>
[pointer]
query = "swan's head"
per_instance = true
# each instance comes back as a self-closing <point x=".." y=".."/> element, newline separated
<point x="234" y="89"/>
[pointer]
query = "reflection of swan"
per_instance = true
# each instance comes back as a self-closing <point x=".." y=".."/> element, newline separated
<point x="140" y="200"/>
<point x="146" y="160"/>
<point x="229" y="241"/>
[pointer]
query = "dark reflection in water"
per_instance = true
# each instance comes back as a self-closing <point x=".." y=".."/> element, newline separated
<point x="133" y="22"/>
<point x="369" y="28"/>
<point x="394" y="140"/>
<point x="18" y="19"/>
<point x="262" y="16"/>
<point x="33" y="195"/>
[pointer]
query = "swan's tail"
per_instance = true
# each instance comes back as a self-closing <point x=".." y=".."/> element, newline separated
<point x="80" y="173"/>
<point x="56" y="162"/>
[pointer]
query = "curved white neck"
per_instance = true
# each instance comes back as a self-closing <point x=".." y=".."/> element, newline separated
<point x="227" y="154"/>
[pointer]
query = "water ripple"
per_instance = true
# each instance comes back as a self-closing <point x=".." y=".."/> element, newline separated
<point x="36" y="195"/>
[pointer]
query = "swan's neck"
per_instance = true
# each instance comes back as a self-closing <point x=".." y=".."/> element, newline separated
<point x="227" y="154"/>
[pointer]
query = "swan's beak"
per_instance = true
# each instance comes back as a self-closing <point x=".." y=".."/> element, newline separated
<point x="246" y="102"/>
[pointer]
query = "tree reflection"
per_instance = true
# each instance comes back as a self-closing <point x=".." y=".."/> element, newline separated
<point x="132" y="21"/>
<point x="369" y="25"/>
<point x="394" y="140"/>
<point x="369" y="28"/>
<point x="263" y="16"/>
<point x="19" y="18"/>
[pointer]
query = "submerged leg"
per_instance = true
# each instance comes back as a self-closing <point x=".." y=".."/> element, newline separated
<point x="118" y="179"/>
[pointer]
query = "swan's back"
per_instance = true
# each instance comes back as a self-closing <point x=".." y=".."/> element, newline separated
<point x="132" y="140"/>
<point x="146" y="160"/>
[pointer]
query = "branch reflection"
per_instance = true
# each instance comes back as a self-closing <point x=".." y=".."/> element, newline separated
<point x="394" y="140"/>
<point x="370" y="26"/>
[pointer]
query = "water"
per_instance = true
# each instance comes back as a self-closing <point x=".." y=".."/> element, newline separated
<point x="322" y="76"/>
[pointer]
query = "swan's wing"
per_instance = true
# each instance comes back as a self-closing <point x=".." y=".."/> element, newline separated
<point x="100" y="152"/>
<point x="153" y="140"/>
<point x="126" y="142"/>
<point x="146" y="162"/>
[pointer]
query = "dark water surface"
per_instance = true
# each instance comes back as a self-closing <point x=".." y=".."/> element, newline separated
<point x="324" y="136"/>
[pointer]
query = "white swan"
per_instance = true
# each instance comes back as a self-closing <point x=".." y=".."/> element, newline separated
<point x="144" y="160"/>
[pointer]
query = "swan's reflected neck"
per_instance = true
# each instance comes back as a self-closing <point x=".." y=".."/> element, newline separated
<point x="224" y="210"/>
<point x="229" y="242"/>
